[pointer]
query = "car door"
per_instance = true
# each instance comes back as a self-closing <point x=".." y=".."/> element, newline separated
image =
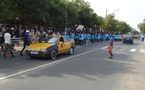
<point x="68" y="43"/>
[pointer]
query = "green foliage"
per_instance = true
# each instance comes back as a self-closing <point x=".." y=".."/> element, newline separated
<point x="32" y="11"/>
<point x="85" y="13"/>
<point x="141" y="26"/>
<point x="7" y="11"/>
<point x="110" y="24"/>
<point x="123" y="27"/>
<point x="57" y="13"/>
<point x="134" y="31"/>
<point x="72" y="13"/>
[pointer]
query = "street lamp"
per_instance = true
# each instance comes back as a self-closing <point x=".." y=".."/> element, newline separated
<point x="115" y="11"/>
<point x="65" y="17"/>
<point x="112" y="13"/>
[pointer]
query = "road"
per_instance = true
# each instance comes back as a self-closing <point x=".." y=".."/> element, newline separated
<point x="88" y="69"/>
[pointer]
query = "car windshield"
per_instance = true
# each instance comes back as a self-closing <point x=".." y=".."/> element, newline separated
<point x="48" y="40"/>
<point x="127" y="36"/>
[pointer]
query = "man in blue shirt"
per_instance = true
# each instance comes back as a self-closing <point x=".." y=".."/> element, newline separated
<point x="25" y="41"/>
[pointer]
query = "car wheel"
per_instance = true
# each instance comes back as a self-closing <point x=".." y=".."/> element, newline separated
<point x="32" y="57"/>
<point x="26" y="53"/>
<point x="53" y="54"/>
<point x="70" y="51"/>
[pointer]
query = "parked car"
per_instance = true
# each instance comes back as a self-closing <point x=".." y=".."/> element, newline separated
<point x="50" y="47"/>
<point x="118" y="38"/>
<point x="128" y="39"/>
<point x="136" y="36"/>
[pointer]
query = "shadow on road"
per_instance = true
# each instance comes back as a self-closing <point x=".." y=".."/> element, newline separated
<point x="89" y="66"/>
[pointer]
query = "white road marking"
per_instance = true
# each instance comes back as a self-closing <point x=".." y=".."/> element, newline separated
<point x="104" y="47"/>
<point x="142" y="50"/>
<point x="79" y="46"/>
<point x="44" y="65"/>
<point x="132" y="50"/>
<point x="121" y="49"/>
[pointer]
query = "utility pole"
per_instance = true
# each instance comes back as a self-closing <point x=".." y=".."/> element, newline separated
<point x="106" y="12"/>
<point x="65" y="17"/>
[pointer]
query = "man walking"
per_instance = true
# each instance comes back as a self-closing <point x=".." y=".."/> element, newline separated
<point x="7" y="43"/>
<point x="1" y="38"/>
<point x="25" y="41"/>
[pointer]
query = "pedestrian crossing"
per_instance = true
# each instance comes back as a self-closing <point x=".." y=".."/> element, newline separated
<point x="142" y="50"/>
<point x="131" y="50"/>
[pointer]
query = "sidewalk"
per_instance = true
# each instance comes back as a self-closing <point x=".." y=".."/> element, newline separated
<point x="18" y="48"/>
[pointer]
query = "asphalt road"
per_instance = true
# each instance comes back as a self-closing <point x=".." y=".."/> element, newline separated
<point x="88" y="69"/>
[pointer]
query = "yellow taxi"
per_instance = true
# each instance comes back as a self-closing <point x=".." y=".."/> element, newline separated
<point x="50" y="47"/>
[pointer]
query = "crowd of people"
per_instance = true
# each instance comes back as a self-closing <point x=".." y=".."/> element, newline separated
<point x="8" y="38"/>
<point x="85" y="38"/>
<point x="31" y="36"/>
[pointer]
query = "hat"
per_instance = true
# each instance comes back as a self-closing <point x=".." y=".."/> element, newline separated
<point x="27" y="30"/>
<point x="12" y="28"/>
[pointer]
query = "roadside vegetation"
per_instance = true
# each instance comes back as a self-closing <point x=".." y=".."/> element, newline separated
<point x="141" y="26"/>
<point x="58" y="14"/>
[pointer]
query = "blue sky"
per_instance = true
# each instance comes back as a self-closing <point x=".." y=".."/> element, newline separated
<point x="130" y="11"/>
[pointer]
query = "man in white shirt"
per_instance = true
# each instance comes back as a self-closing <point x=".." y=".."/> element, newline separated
<point x="7" y="43"/>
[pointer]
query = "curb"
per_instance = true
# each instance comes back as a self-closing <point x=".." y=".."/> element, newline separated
<point x="18" y="49"/>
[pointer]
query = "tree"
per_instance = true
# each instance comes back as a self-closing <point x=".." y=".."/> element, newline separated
<point x="134" y="31"/>
<point x="7" y="12"/>
<point x="32" y="11"/>
<point x="141" y="26"/>
<point x="72" y="13"/>
<point x="58" y="14"/>
<point x="85" y="13"/>
<point x="123" y="27"/>
<point x="112" y="25"/>
<point x="109" y="23"/>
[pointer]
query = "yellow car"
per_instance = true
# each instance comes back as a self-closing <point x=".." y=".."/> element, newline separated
<point x="50" y="47"/>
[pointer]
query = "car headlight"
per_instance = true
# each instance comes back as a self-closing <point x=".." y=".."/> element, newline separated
<point x="43" y="50"/>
